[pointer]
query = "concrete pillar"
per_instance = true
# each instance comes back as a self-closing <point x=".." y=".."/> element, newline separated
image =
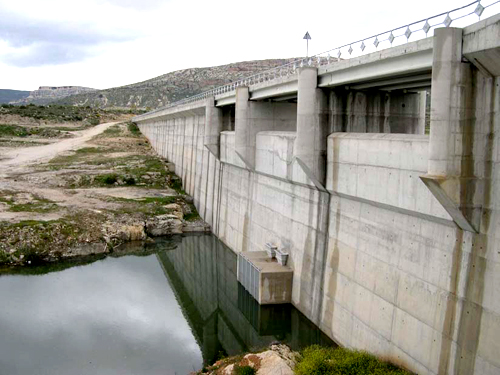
<point x="312" y="123"/>
<point x="213" y="127"/>
<point x="252" y="117"/>
<point x="447" y="101"/>
<point x="243" y="142"/>
<point x="451" y="165"/>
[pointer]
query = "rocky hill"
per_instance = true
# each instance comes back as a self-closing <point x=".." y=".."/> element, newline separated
<point x="167" y="88"/>
<point x="7" y="96"/>
<point x="47" y="94"/>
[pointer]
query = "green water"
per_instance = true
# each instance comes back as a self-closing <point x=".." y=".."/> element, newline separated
<point x="169" y="309"/>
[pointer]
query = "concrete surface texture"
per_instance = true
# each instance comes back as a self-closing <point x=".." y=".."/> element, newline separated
<point x="269" y="282"/>
<point x="393" y="238"/>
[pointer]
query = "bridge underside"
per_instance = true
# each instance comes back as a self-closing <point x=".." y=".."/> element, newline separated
<point x="377" y="175"/>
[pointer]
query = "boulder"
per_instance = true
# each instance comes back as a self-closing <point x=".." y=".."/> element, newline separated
<point x="176" y="210"/>
<point x="162" y="225"/>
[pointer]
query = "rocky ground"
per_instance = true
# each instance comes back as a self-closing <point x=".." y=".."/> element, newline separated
<point x="277" y="360"/>
<point x="85" y="192"/>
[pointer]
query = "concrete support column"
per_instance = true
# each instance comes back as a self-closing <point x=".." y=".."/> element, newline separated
<point x="213" y="127"/>
<point x="312" y="123"/>
<point x="451" y="165"/>
<point x="243" y="142"/>
<point x="252" y="117"/>
<point x="447" y="101"/>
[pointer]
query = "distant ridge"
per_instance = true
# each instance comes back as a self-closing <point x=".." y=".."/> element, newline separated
<point x="7" y="96"/>
<point x="47" y="94"/>
<point x="170" y="87"/>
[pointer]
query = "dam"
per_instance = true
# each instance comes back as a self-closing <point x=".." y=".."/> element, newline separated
<point x="378" y="174"/>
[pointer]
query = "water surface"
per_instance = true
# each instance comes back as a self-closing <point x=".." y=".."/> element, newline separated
<point x="167" y="312"/>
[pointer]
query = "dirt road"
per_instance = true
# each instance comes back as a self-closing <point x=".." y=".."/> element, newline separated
<point x="16" y="159"/>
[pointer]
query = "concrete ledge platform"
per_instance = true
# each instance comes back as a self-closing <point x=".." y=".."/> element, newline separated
<point x="266" y="280"/>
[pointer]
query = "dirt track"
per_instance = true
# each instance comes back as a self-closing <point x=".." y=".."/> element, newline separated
<point x="17" y="159"/>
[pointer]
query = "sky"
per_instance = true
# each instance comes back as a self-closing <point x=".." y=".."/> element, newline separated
<point x="109" y="43"/>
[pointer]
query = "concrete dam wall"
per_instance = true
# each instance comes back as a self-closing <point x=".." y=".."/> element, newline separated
<point x="393" y="234"/>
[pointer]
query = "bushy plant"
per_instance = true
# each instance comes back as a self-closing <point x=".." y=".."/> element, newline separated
<point x="129" y="181"/>
<point x="108" y="179"/>
<point x="318" y="360"/>
<point x="244" y="370"/>
<point x="133" y="128"/>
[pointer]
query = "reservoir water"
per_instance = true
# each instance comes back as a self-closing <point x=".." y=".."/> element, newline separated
<point x="171" y="308"/>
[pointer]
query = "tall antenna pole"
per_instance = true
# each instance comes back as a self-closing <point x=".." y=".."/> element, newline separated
<point x="307" y="37"/>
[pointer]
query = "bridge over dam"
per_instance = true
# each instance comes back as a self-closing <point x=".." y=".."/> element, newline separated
<point x="379" y="175"/>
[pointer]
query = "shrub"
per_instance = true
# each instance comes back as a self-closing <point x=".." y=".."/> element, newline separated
<point x="94" y="121"/>
<point x="318" y="360"/>
<point x="129" y="181"/>
<point x="108" y="179"/>
<point x="13" y="131"/>
<point x="244" y="370"/>
<point x="133" y="128"/>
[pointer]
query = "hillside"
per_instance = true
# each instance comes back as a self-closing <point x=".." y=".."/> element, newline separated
<point x="7" y="96"/>
<point x="167" y="88"/>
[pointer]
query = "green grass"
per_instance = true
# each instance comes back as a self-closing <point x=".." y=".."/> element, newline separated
<point x="193" y="216"/>
<point x="34" y="207"/>
<point x="147" y="205"/>
<point x="244" y="370"/>
<point x="90" y="150"/>
<point x="23" y="131"/>
<point x="318" y="360"/>
<point x="111" y="132"/>
<point x="82" y="154"/>
<point x="106" y="179"/>
<point x="30" y="223"/>
<point x="55" y="113"/>
<point x="37" y="205"/>
<point x="13" y="131"/>
<point x="133" y="128"/>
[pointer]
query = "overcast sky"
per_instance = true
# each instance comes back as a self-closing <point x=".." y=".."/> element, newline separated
<point x="108" y="43"/>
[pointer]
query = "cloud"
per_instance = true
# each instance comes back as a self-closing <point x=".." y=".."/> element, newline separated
<point x="138" y="4"/>
<point x="43" y="53"/>
<point x="39" y="42"/>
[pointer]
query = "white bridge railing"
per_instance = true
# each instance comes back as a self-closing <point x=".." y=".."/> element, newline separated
<point x="460" y="17"/>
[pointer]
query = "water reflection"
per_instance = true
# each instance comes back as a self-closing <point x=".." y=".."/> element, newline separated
<point x="123" y="316"/>
<point x="114" y="316"/>
<point x="222" y="314"/>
